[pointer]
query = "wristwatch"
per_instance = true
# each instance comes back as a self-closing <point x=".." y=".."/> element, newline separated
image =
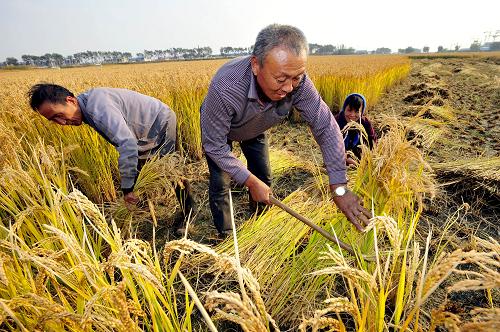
<point x="339" y="191"/>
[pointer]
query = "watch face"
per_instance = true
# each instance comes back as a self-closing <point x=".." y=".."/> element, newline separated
<point x="340" y="191"/>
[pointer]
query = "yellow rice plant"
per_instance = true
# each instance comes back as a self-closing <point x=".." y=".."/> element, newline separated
<point x="366" y="287"/>
<point x="89" y="152"/>
<point x="63" y="267"/>
<point x="484" y="277"/>
<point x="336" y="77"/>
<point x="393" y="180"/>
<point x="63" y="281"/>
<point x="26" y="184"/>
<point x="247" y="311"/>
<point x="395" y="168"/>
<point x="186" y="101"/>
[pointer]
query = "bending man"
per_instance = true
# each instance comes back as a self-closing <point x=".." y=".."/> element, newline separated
<point x="139" y="126"/>
<point x="249" y="95"/>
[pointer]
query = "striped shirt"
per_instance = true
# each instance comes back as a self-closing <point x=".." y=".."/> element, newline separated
<point x="232" y="111"/>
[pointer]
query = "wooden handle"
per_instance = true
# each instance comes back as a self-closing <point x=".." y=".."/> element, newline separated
<point x="311" y="224"/>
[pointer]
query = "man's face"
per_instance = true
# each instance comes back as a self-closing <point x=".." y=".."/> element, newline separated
<point x="63" y="114"/>
<point x="351" y="114"/>
<point x="281" y="72"/>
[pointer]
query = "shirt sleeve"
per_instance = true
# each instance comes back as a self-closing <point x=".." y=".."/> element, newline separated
<point x="109" y="120"/>
<point x="215" y="120"/>
<point x="324" y="128"/>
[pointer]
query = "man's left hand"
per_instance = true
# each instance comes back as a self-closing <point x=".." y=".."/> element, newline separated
<point x="353" y="209"/>
<point x="131" y="200"/>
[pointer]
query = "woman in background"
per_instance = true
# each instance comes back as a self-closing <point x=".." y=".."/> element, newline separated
<point x="353" y="110"/>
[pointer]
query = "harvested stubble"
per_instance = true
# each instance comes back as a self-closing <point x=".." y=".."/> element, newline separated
<point x="484" y="170"/>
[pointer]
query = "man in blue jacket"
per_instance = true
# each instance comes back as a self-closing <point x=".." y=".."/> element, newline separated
<point x="139" y="126"/>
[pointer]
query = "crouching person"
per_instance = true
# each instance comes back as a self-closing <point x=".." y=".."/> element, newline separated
<point x="139" y="127"/>
<point x="354" y="110"/>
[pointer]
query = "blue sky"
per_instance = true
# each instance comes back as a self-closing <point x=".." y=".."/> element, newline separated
<point x="41" y="26"/>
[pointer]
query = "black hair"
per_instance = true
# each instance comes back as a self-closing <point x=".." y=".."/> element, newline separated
<point x="354" y="102"/>
<point x="52" y="93"/>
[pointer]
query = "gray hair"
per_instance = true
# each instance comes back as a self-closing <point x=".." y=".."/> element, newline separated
<point x="275" y="35"/>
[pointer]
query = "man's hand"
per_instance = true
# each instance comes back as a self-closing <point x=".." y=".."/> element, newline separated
<point x="350" y="162"/>
<point x="352" y="207"/>
<point x="131" y="200"/>
<point x="259" y="190"/>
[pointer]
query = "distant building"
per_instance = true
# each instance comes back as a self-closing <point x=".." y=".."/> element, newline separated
<point x="138" y="58"/>
<point x="486" y="46"/>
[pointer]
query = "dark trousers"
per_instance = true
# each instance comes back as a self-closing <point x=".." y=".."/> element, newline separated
<point x="256" y="152"/>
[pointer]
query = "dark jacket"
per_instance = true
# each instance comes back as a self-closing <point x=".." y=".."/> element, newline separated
<point x="352" y="138"/>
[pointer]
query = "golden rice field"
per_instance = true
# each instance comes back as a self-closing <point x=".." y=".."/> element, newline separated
<point x="70" y="259"/>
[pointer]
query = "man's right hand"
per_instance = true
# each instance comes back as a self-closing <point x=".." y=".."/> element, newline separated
<point x="259" y="190"/>
<point x="131" y="200"/>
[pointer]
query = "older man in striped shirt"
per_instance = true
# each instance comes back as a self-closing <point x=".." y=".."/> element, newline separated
<point x="249" y="95"/>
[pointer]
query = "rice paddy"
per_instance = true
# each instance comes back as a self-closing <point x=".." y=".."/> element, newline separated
<point x="73" y="258"/>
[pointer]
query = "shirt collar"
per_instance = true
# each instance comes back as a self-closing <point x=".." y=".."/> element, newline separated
<point x="252" y="91"/>
<point x="82" y="103"/>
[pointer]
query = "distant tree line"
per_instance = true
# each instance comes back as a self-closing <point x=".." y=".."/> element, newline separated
<point x="174" y="54"/>
<point x="329" y="49"/>
<point x="107" y="57"/>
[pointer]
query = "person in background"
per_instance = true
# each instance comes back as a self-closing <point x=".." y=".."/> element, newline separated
<point x="249" y="95"/>
<point x="137" y="125"/>
<point x="353" y="109"/>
